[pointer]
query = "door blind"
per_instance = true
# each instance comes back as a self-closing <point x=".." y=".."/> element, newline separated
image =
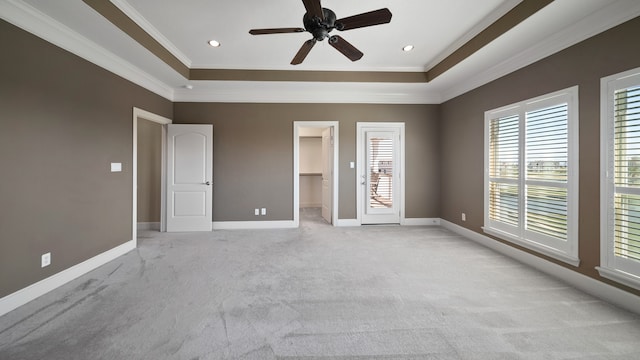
<point x="381" y="169"/>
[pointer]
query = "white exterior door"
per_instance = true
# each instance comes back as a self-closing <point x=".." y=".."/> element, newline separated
<point x="327" y="173"/>
<point x="380" y="172"/>
<point x="189" y="177"/>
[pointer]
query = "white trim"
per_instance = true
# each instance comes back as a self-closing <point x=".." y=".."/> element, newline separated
<point x="563" y="250"/>
<point x="26" y="17"/>
<point x="32" y="20"/>
<point x="146" y="115"/>
<point x="310" y="205"/>
<point x="611" y="266"/>
<point x="621" y="277"/>
<point x="31" y="292"/>
<point x="531" y="245"/>
<point x="309" y="92"/>
<point x="148" y="226"/>
<point x="587" y="284"/>
<point x="296" y="166"/>
<point x="137" y="18"/>
<point x="248" y="225"/>
<point x="421" y="221"/>
<point x="348" y="222"/>
<point x="604" y="19"/>
<point x="485" y="22"/>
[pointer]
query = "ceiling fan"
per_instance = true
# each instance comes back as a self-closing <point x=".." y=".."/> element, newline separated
<point x="320" y="22"/>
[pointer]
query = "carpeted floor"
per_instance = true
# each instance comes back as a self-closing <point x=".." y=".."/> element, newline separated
<point x="317" y="292"/>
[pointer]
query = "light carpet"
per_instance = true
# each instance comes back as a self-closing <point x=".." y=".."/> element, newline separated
<point x="317" y="292"/>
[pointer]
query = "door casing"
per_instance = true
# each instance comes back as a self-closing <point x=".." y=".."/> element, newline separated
<point x="361" y="127"/>
<point x="327" y="174"/>
<point x="146" y="115"/>
<point x="296" y="167"/>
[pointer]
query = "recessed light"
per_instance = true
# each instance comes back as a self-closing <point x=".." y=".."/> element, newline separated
<point x="214" y="43"/>
<point x="188" y="86"/>
<point x="407" y="48"/>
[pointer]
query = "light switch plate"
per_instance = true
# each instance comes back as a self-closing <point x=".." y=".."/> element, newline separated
<point x="116" y="167"/>
<point x="45" y="260"/>
<point x="352" y="165"/>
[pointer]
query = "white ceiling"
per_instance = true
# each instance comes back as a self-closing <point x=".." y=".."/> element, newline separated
<point x="434" y="27"/>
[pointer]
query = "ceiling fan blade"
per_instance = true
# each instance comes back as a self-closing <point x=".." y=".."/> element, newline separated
<point x="275" y="31"/>
<point x="345" y="48"/>
<point x="314" y="8"/>
<point x="303" y="52"/>
<point x="370" y="18"/>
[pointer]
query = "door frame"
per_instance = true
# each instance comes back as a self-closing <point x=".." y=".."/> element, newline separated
<point x="361" y="161"/>
<point x="149" y="116"/>
<point x="296" y="167"/>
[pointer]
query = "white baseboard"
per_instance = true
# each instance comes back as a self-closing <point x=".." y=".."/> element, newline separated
<point x="347" y="222"/>
<point x="310" y="205"/>
<point x="148" y="226"/>
<point x="587" y="284"/>
<point x="240" y="225"/>
<point x="421" y="221"/>
<point x="31" y="292"/>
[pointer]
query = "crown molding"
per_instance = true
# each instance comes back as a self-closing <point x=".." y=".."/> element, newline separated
<point x="610" y="16"/>
<point x="32" y="20"/>
<point x="503" y="9"/>
<point x="298" y="92"/>
<point x="136" y="17"/>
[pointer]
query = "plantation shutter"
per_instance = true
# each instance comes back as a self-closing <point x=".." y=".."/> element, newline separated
<point x="547" y="157"/>
<point x="504" y="170"/>
<point x="627" y="173"/>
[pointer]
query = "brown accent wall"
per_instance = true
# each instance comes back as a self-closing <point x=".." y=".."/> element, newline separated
<point x="149" y="170"/>
<point x="63" y="120"/>
<point x="253" y="154"/>
<point x="462" y="121"/>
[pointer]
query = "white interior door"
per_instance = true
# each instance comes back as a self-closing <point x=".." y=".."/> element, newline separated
<point x="380" y="174"/>
<point x="327" y="173"/>
<point x="189" y="177"/>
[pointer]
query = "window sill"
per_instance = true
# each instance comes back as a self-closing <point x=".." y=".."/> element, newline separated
<point x="552" y="253"/>
<point x="621" y="277"/>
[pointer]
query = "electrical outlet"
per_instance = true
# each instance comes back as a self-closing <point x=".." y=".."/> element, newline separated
<point x="257" y="212"/>
<point x="464" y="217"/>
<point x="263" y="211"/>
<point x="45" y="260"/>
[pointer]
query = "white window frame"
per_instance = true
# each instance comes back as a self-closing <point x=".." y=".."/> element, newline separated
<point x="565" y="251"/>
<point x="623" y="271"/>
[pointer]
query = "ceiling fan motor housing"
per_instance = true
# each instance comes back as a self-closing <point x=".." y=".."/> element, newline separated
<point x="319" y="28"/>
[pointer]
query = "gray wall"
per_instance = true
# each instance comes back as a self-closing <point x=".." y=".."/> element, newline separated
<point x="253" y="154"/>
<point x="62" y="122"/>
<point x="149" y="170"/>
<point x="462" y="123"/>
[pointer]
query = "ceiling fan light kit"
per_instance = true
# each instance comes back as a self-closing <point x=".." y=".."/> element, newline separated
<point x="319" y="22"/>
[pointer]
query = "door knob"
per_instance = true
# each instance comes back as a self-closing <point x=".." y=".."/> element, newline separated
<point x="208" y="183"/>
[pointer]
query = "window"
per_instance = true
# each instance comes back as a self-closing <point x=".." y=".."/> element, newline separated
<point x="620" y="183"/>
<point x="531" y="174"/>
